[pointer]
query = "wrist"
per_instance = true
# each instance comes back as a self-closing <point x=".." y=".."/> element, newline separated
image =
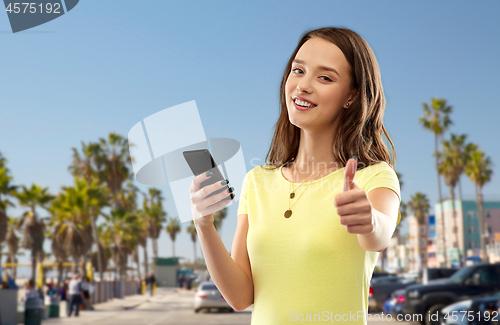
<point x="203" y="224"/>
<point x="372" y="241"/>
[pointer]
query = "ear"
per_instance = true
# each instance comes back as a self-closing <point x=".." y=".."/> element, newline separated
<point x="354" y="94"/>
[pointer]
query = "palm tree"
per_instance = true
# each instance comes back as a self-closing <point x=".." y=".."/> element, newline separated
<point x="120" y="231"/>
<point x="172" y="229"/>
<point x="86" y="164"/>
<point x="437" y="121"/>
<point x="452" y="165"/>
<point x="68" y="237"/>
<point x="59" y="251"/>
<point x="34" y="228"/>
<point x="154" y="216"/>
<point x="479" y="170"/>
<point x="141" y="241"/>
<point x="72" y="213"/>
<point x="6" y="189"/>
<point x="419" y="205"/>
<point x="12" y="245"/>
<point x="192" y="231"/>
<point x="90" y="165"/>
<point x="114" y="156"/>
<point x="142" y="238"/>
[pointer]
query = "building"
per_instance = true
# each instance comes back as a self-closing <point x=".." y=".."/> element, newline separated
<point x="462" y="231"/>
<point x="166" y="270"/>
<point x="418" y="238"/>
<point x="396" y="255"/>
<point x="493" y="248"/>
<point x="431" y="244"/>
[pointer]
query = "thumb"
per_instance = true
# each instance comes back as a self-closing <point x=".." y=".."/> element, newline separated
<point x="349" y="173"/>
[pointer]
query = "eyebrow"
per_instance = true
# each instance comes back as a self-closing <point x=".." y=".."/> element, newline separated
<point x="321" y="67"/>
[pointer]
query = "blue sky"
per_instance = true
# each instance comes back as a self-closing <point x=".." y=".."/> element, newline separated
<point x="106" y="65"/>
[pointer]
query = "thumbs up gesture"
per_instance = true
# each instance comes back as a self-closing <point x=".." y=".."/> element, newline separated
<point x="353" y="206"/>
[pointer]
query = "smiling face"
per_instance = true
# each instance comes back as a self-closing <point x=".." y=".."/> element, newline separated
<point x="321" y="78"/>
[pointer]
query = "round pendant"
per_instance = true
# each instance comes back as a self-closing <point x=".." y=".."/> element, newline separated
<point x="288" y="213"/>
<point x="292" y="195"/>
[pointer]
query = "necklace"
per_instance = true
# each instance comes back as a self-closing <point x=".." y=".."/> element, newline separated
<point x="288" y="213"/>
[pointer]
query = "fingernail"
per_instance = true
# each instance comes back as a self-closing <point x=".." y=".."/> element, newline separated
<point x="224" y="182"/>
<point x="353" y="156"/>
<point x="232" y="196"/>
<point x="208" y="174"/>
<point x="230" y="190"/>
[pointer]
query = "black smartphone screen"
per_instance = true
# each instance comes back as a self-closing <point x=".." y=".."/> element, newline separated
<point x="201" y="161"/>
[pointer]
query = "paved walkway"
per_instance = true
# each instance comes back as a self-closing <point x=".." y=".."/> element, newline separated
<point x="129" y="302"/>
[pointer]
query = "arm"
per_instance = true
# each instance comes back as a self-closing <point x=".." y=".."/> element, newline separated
<point x="231" y="275"/>
<point x="385" y="206"/>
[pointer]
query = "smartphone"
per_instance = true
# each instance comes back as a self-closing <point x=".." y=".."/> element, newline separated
<point x="201" y="161"/>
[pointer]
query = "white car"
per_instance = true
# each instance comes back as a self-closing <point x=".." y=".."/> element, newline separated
<point x="455" y="314"/>
<point x="208" y="296"/>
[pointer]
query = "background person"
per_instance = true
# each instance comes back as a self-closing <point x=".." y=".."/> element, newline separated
<point x="30" y="291"/>
<point x="74" y="295"/>
<point x="152" y="283"/>
<point x="86" y="287"/>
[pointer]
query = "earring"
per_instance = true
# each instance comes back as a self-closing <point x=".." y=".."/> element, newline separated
<point x="347" y="104"/>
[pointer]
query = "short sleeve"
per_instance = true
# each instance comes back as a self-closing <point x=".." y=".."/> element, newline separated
<point x="242" y="203"/>
<point x="384" y="176"/>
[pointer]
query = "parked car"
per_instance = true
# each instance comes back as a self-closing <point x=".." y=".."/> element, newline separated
<point x="209" y="297"/>
<point x="394" y="303"/>
<point x="455" y="313"/>
<point x="470" y="281"/>
<point x="480" y="310"/>
<point x="382" y="273"/>
<point x="381" y="289"/>
<point x="430" y="274"/>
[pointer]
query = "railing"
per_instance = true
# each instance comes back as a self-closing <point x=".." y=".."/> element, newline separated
<point x="111" y="289"/>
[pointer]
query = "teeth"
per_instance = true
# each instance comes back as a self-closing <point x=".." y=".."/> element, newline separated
<point x="301" y="103"/>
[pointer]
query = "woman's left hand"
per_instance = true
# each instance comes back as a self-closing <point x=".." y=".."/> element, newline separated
<point x="353" y="206"/>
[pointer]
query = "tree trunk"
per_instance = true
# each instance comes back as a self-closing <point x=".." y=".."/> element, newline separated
<point x="83" y="268"/>
<point x="75" y="264"/>
<point x="194" y="264"/>
<point x="146" y="262"/>
<point x="13" y="270"/>
<point x="482" y="234"/>
<point x="155" y="247"/>
<point x="59" y="275"/>
<point x="138" y="263"/>
<point x="455" y="230"/>
<point x="463" y="222"/>
<point x="33" y="263"/>
<point x="96" y="241"/>
<point x="419" y="254"/>
<point x="173" y="248"/>
<point x="443" y="229"/>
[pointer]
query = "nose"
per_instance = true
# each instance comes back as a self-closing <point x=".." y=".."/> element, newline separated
<point x="304" y="85"/>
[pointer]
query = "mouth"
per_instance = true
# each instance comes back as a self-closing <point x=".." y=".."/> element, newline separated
<point x="302" y="104"/>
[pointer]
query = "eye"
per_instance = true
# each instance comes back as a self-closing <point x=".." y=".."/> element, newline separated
<point x="327" y="79"/>
<point x="296" y="69"/>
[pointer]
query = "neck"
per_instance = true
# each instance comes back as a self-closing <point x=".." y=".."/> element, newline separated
<point x="315" y="153"/>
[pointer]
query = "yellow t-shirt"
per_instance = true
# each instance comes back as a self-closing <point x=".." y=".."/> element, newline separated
<point x="307" y="264"/>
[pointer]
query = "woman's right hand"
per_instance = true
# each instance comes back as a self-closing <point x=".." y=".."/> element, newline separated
<point x="202" y="206"/>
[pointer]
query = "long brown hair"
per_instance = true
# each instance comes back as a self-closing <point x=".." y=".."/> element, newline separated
<point x="360" y="132"/>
